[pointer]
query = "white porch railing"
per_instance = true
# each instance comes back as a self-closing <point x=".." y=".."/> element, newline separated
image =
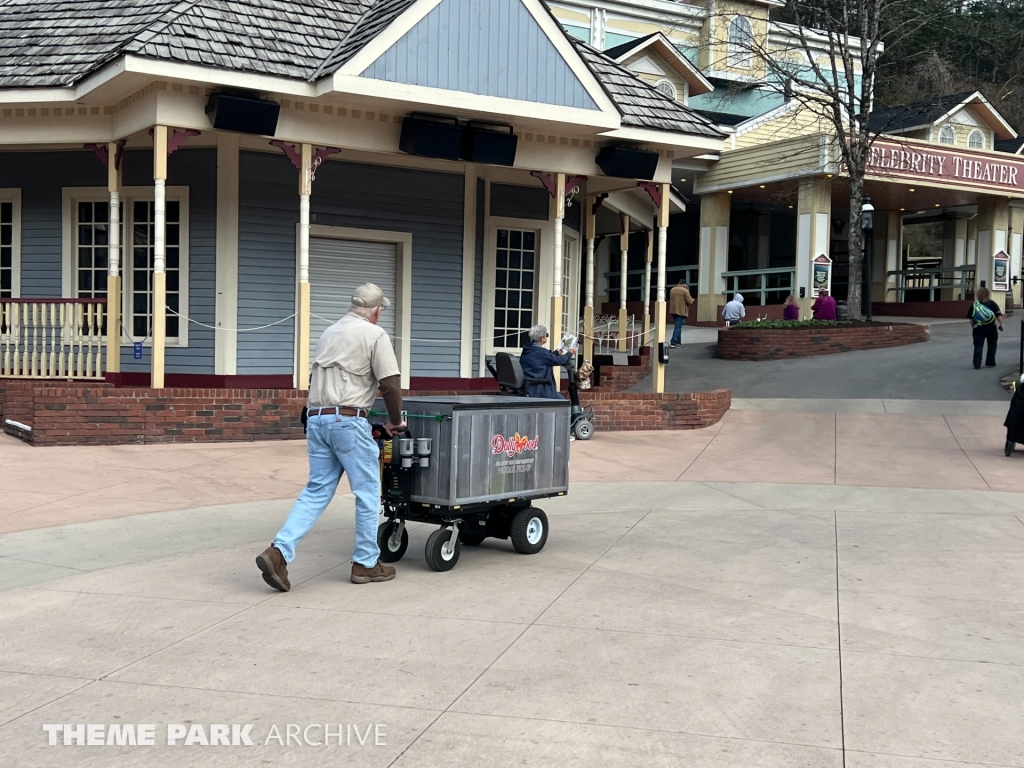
<point x="52" y="338"/>
<point x="606" y="334"/>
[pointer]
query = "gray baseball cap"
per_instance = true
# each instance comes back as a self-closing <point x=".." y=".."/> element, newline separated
<point x="369" y="296"/>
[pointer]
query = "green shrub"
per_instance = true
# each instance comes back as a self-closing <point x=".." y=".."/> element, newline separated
<point x="786" y="325"/>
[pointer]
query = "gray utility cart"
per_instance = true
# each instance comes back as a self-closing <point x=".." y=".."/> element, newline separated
<point x="473" y="465"/>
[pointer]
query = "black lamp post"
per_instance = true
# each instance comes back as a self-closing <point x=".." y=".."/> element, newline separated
<point x="867" y="223"/>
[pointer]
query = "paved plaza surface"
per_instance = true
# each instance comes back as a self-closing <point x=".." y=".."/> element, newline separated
<point x="940" y="369"/>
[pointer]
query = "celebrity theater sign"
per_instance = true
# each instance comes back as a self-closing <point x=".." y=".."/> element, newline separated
<point x="946" y="166"/>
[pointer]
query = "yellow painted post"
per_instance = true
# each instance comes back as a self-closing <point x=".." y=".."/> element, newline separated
<point x="113" y="261"/>
<point x="714" y="254"/>
<point x="1016" y="251"/>
<point x="993" y="223"/>
<point x="159" y="254"/>
<point x="657" y="368"/>
<point x="557" y="300"/>
<point x="303" y="319"/>
<point x="623" y="268"/>
<point x="590" y="226"/>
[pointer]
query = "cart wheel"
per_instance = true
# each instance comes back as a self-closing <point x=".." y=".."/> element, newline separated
<point x="529" y="531"/>
<point x="1010" y="445"/>
<point x="471" y="538"/>
<point x="583" y="429"/>
<point x="439" y="557"/>
<point x="389" y="552"/>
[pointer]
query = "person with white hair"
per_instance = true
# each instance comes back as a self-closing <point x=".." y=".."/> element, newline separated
<point x="538" y="362"/>
<point x="734" y="311"/>
<point x="353" y="359"/>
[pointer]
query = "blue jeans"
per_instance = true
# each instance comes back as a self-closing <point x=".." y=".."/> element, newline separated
<point x="338" y="444"/>
<point x="677" y="334"/>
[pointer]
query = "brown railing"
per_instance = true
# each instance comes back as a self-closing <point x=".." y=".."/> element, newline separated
<point x="52" y="338"/>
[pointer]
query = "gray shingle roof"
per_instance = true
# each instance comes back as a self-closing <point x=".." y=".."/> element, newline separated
<point x="56" y="43"/>
<point x="1013" y="146"/>
<point x="915" y="114"/>
<point x="641" y="104"/>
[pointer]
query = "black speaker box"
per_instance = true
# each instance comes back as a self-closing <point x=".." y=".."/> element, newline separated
<point x="431" y="138"/>
<point x="626" y="162"/>
<point x="489" y="145"/>
<point x="243" y="114"/>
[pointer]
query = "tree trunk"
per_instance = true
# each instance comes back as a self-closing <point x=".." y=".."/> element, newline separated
<point x="856" y="235"/>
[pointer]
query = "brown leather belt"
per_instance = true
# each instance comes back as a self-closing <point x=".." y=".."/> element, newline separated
<point x="338" y="410"/>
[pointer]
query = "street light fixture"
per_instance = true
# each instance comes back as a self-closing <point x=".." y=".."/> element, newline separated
<point x="867" y="223"/>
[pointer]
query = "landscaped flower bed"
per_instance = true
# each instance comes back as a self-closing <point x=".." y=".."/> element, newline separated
<point x="781" y="339"/>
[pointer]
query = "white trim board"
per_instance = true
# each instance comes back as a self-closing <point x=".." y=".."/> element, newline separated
<point x="226" y="338"/>
<point x="13" y="195"/>
<point x="468" y="271"/>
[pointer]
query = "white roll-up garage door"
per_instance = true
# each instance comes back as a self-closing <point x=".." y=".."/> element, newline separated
<point x="336" y="269"/>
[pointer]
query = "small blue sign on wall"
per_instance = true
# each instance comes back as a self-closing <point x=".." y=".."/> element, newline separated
<point x="137" y="350"/>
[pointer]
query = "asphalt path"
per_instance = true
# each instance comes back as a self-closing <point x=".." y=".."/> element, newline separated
<point x="940" y="369"/>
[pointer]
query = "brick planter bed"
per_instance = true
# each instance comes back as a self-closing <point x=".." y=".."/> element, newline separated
<point x="627" y="411"/>
<point x="755" y="344"/>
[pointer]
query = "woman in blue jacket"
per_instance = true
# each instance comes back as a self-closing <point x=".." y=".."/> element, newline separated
<point x="537" y="363"/>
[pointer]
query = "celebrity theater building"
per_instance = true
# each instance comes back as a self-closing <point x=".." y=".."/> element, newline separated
<point x="190" y="192"/>
<point x="770" y="216"/>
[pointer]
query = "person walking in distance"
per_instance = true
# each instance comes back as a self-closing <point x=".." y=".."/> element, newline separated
<point x="985" y="317"/>
<point x="679" y="301"/>
<point x="353" y="359"/>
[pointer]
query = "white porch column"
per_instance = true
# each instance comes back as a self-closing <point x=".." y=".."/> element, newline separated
<point x="893" y="254"/>
<point x="714" y="254"/>
<point x="813" y="228"/>
<point x="993" y="223"/>
<point x="646" y="338"/>
<point x="557" y="299"/>
<point x="624" y="265"/>
<point x="114" y="261"/>
<point x="660" y="307"/>
<point x="226" y="339"/>
<point x="302" y="318"/>
<point x="590" y="225"/>
<point x="159" y="254"/>
<point x="1016" y="248"/>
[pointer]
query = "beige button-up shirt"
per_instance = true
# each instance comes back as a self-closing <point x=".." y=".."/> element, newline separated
<point x="351" y="358"/>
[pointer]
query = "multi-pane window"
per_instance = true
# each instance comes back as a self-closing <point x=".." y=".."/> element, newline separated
<point x="92" y="249"/>
<point x="741" y="43"/>
<point x="567" y="297"/>
<point x="6" y="250"/>
<point x="143" y="241"/>
<point x="947" y="135"/>
<point x="976" y="139"/>
<point x="515" y="271"/>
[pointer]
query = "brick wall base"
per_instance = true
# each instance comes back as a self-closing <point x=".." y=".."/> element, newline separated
<point x="66" y="414"/>
<point x="750" y="344"/>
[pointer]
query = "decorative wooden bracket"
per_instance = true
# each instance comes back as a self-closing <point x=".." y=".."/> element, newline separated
<point x="102" y="154"/>
<point x="290" y="152"/>
<point x="548" y="180"/>
<point x="177" y="137"/>
<point x="598" y="202"/>
<point x="652" y="189"/>
<point x="318" y="158"/>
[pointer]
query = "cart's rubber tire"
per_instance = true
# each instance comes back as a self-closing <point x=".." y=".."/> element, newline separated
<point x="583" y="429"/>
<point x="472" y="538"/>
<point x="434" y="553"/>
<point x="384" y="532"/>
<point x="529" y="531"/>
<point x="1010" y="445"/>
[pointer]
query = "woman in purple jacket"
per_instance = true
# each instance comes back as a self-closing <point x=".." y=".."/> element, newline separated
<point x="790" y="310"/>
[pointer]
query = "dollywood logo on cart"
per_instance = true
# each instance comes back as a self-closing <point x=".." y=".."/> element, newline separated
<point x="512" y="446"/>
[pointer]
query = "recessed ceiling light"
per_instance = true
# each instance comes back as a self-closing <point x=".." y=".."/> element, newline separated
<point x="730" y="191"/>
<point x="684" y="179"/>
<point x="911" y="189"/>
<point x="762" y="186"/>
<point x="937" y="205"/>
<point x="791" y="206"/>
<point x="903" y="209"/>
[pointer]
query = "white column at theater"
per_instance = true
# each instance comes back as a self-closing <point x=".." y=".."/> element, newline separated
<point x="159" y="254"/>
<point x="1016" y="250"/>
<point x="623" y="268"/>
<point x="590" y="226"/>
<point x="764" y="240"/>
<point x="558" y="213"/>
<point x="893" y="254"/>
<point x="302" y="319"/>
<point x="657" y="368"/>
<point x="993" y="223"/>
<point x="714" y="254"/>
<point x="114" y="261"/>
<point x="813" y="228"/>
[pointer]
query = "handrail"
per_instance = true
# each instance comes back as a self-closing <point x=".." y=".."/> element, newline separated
<point x="686" y="267"/>
<point x="912" y="279"/>
<point x="761" y="288"/>
<point x="52" y="338"/>
<point x="772" y="271"/>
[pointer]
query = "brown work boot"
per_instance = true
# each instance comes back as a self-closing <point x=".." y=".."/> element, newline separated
<point x="380" y="572"/>
<point x="275" y="570"/>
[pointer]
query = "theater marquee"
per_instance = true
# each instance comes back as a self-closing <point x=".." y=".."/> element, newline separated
<point x="914" y="162"/>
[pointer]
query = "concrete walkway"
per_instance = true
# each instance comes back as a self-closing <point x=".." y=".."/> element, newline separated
<point x="786" y="589"/>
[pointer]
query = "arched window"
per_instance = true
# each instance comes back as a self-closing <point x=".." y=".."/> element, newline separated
<point x="976" y="139"/>
<point x="666" y="87"/>
<point x="947" y="135"/>
<point x="741" y="42"/>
